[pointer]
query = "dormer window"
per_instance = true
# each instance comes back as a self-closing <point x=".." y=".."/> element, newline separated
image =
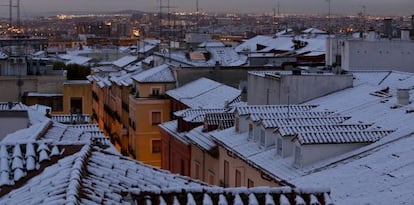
<point x="250" y="137"/>
<point x="237" y="124"/>
<point x="279" y="147"/>
<point x="262" y="138"/>
<point x="298" y="157"/>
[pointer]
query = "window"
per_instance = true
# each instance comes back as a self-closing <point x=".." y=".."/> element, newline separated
<point x="250" y="183"/>
<point x="155" y="91"/>
<point x="226" y="173"/>
<point x="236" y="123"/>
<point x="262" y="138"/>
<point x="156" y="118"/>
<point x="197" y="170"/>
<point x="238" y="178"/>
<point x="156" y="146"/>
<point x="250" y="132"/>
<point x="298" y="157"/>
<point x="211" y="177"/>
<point x="279" y="146"/>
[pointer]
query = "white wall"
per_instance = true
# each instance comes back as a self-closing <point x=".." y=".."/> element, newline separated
<point x="293" y="89"/>
<point x="381" y="54"/>
<point x="12" y="121"/>
<point x="316" y="152"/>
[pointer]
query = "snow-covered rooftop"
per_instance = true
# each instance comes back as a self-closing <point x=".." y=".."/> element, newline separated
<point x="49" y="163"/>
<point x="124" y="61"/>
<point x="205" y="93"/>
<point x="160" y="73"/>
<point x="74" y="59"/>
<point x="356" y="177"/>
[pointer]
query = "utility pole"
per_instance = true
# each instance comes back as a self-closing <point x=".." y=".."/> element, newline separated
<point x="197" y="20"/>
<point x="364" y="17"/>
<point x="160" y="16"/>
<point x="18" y="15"/>
<point x="11" y="14"/>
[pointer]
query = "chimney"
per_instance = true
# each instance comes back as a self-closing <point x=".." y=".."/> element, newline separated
<point x="403" y="96"/>
<point x="372" y="35"/>
<point x="405" y="34"/>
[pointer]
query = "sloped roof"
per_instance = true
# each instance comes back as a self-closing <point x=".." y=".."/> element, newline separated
<point x="273" y="115"/>
<point x="124" y="61"/>
<point x="205" y="93"/>
<point x="157" y="74"/>
<point x="38" y="168"/>
<point x="341" y="137"/>
<point x="92" y="176"/>
<point x="387" y="170"/>
<point x="257" y="109"/>
<point x="80" y="60"/>
<point x="201" y="139"/>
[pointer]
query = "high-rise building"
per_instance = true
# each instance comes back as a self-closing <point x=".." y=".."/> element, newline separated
<point x="388" y="27"/>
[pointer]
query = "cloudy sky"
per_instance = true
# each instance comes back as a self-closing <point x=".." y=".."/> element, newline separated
<point x="378" y="7"/>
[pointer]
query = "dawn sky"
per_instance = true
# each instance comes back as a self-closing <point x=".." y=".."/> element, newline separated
<point x="378" y="7"/>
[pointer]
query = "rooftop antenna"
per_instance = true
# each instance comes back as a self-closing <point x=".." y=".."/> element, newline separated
<point x="329" y="16"/>
<point x="278" y="8"/>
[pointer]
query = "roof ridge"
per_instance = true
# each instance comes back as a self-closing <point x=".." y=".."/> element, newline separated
<point x="74" y="186"/>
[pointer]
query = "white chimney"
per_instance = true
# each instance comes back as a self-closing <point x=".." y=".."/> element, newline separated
<point x="405" y="35"/>
<point x="403" y="96"/>
<point x="372" y="36"/>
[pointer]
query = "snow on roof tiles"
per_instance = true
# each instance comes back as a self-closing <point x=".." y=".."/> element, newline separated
<point x="12" y="106"/>
<point x="171" y="127"/>
<point x="201" y="139"/>
<point x="73" y="172"/>
<point x="18" y="159"/>
<point x="260" y="116"/>
<point x="71" y="119"/>
<point x="341" y="137"/>
<point x="160" y="73"/>
<point x="301" y="121"/>
<point x="245" y="110"/>
<point x="205" y="93"/>
<point x="292" y="130"/>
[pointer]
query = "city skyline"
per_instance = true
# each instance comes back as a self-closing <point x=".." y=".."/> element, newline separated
<point x="373" y="7"/>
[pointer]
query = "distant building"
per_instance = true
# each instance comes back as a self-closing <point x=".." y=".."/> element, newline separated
<point x="374" y="53"/>
<point x="292" y="87"/>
